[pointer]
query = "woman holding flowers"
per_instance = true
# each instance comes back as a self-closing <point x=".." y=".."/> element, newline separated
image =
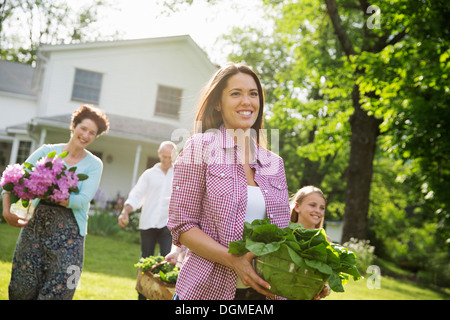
<point x="49" y="253"/>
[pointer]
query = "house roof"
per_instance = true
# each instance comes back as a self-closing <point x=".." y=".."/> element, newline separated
<point x="16" y="78"/>
<point x="120" y="127"/>
<point x="133" y="42"/>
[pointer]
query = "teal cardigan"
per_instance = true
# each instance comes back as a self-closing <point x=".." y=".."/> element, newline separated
<point x="78" y="202"/>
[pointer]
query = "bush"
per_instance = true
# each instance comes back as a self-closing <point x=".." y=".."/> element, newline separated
<point x="364" y="253"/>
<point x="103" y="223"/>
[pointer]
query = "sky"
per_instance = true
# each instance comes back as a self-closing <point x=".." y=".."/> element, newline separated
<point x="205" y="23"/>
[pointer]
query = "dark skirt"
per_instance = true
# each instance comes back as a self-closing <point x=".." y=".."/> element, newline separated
<point x="48" y="259"/>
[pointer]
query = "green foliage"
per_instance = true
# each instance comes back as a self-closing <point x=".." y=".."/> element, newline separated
<point x="103" y="223"/>
<point x="24" y="25"/>
<point x="402" y="71"/>
<point x="146" y="263"/>
<point x="160" y="269"/>
<point x="307" y="248"/>
<point x="364" y="253"/>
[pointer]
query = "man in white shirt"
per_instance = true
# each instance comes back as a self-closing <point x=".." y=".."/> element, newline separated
<point x="152" y="193"/>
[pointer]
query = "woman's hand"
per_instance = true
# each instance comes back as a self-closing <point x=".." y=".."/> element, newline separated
<point x="11" y="218"/>
<point x="176" y="256"/>
<point x="14" y="220"/>
<point x="123" y="219"/>
<point x="324" y="293"/>
<point x="64" y="203"/>
<point x="242" y="265"/>
<point x="206" y="247"/>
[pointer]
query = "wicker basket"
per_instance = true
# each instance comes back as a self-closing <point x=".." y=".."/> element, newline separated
<point x="153" y="288"/>
<point x="288" y="279"/>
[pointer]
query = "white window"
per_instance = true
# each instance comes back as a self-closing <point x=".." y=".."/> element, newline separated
<point x="87" y="85"/>
<point x="168" y="102"/>
<point x="24" y="151"/>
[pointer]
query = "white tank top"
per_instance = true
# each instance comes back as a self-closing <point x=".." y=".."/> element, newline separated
<point x="256" y="206"/>
<point x="256" y="209"/>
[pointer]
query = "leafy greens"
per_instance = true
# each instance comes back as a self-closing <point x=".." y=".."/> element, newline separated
<point x="159" y="268"/>
<point x="308" y="249"/>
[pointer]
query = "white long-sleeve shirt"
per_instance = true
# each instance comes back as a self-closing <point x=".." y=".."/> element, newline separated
<point x="152" y="193"/>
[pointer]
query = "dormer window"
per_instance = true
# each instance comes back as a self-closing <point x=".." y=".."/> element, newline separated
<point x="168" y="102"/>
<point x="86" y="87"/>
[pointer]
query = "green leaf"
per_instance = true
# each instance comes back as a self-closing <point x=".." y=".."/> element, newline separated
<point x="28" y="165"/>
<point x="51" y="154"/>
<point x="267" y="233"/>
<point x="13" y="198"/>
<point x="237" y="247"/>
<point x="8" y="186"/>
<point x="295" y="257"/>
<point x="320" y="266"/>
<point x="64" y="154"/>
<point x="261" y="248"/>
<point x="25" y="203"/>
<point x="335" y="283"/>
<point x="82" y="176"/>
<point x="74" y="190"/>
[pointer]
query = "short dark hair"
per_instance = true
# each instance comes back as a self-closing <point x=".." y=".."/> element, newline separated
<point x="97" y="115"/>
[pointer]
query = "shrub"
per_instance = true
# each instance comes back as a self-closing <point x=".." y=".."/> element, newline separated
<point x="364" y="252"/>
<point x="103" y="223"/>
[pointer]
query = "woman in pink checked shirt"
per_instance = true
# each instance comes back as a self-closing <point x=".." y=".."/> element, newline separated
<point x="223" y="177"/>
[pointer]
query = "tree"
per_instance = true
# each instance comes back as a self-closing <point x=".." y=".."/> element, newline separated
<point x="371" y="65"/>
<point x="375" y="75"/>
<point x="25" y="24"/>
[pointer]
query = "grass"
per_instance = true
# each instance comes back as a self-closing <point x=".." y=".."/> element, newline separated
<point x="109" y="274"/>
<point x="390" y="289"/>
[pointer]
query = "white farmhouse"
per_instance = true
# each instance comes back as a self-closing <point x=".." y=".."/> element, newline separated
<point x="148" y="88"/>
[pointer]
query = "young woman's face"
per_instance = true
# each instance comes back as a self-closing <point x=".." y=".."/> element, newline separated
<point x="311" y="210"/>
<point x="239" y="103"/>
<point x="84" y="133"/>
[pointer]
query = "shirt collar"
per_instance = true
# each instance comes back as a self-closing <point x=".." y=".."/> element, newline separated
<point x="226" y="141"/>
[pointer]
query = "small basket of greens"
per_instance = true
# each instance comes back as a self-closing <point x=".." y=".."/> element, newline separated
<point x="295" y="261"/>
<point x="156" y="278"/>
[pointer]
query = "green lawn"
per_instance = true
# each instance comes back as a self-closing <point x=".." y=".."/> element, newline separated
<point x="109" y="274"/>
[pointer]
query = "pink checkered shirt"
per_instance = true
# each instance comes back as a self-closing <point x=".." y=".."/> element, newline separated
<point x="209" y="191"/>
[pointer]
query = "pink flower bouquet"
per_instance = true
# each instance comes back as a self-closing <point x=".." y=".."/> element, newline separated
<point x="49" y="180"/>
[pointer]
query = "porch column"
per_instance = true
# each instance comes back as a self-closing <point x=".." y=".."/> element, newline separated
<point x="14" y="150"/>
<point x="43" y="136"/>
<point x="136" y="165"/>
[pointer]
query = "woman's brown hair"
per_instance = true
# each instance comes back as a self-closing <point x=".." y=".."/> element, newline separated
<point x="90" y="112"/>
